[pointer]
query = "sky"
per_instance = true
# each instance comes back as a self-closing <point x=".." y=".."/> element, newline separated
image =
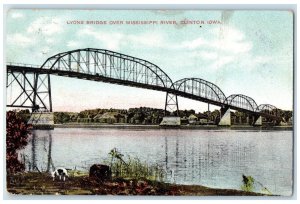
<point x="246" y="52"/>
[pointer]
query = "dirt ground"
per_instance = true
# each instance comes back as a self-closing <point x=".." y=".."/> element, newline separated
<point x="33" y="183"/>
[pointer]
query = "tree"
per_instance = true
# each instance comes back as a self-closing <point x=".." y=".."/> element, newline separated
<point x="17" y="131"/>
<point x="248" y="183"/>
<point x="61" y="117"/>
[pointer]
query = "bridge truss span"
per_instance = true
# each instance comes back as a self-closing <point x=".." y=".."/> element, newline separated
<point x="32" y="87"/>
<point x="200" y="89"/>
<point x="241" y="102"/>
<point x="111" y="67"/>
<point x="268" y="109"/>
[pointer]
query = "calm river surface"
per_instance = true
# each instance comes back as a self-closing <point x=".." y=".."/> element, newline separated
<point x="214" y="158"/>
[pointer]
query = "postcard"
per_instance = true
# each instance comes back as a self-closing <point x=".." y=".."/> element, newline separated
<point x="149" y="102"/>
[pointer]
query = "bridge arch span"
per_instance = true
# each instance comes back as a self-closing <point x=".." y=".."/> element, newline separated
<point x="109" y="65"/>
<point x="242" y="101"/>
<point x="268" y="109"/>
<point x="200" y="88"/>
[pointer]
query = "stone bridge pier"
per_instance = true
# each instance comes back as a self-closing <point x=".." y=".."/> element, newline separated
<point x="225" y="119"/>
<point x="254" y="120"/>
<point x="257" y="120"/>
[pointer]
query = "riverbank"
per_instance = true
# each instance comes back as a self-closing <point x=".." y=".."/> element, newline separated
<point x="189" y="127"/>
<point x="33" y="183"/>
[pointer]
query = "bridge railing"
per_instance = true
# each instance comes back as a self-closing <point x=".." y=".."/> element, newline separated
<point x="23" y="64"/>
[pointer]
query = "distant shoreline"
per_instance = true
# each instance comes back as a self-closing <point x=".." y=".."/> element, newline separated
<point x="184" y="127"/>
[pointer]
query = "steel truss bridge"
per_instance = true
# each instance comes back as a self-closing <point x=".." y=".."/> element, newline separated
<point x="29" y="86"/>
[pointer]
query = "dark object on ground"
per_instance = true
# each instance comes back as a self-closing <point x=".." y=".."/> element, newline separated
<point x="101" y="172"/>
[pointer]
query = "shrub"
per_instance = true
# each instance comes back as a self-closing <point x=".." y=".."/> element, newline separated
<point x="17" y="131"/>
<point x="133" y="168"/>
<point x="248" y="182"/>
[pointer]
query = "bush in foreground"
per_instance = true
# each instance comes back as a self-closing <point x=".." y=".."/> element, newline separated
<point x="17" y="131"/>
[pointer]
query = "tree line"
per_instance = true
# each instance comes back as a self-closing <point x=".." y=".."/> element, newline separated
<point x="146" y="115"/>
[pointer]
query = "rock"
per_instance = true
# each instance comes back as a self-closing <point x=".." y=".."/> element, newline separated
<point x="100" y="171"/>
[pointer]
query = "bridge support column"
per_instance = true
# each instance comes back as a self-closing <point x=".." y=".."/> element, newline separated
<point x="171" y="117"/>
<point x="257" y="121"/>
<point x="42" y="92"/>
<point x="226" y="117"/>
<point x="171" y="104"/>
<point x="28" y="89"/>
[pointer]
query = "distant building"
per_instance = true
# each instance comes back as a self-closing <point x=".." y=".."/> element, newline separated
<point x="184" y="120"/>
<point x="192" y="119"/>
<point x="108" y="117"/>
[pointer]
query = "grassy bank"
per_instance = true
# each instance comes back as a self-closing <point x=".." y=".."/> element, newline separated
<point x="33" y="183"/>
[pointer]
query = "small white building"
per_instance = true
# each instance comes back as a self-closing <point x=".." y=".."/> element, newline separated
<point x="193" y="119"/>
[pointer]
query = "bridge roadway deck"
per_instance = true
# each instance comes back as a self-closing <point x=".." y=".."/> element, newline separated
<point x="25" y="69"/>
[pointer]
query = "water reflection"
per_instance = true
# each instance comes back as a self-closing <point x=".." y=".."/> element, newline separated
<point x="211" y="158"/>
<point x="33" y="166"/>
<point x="38" y="150"/>
<point x="50" y="162"/>
<point x="166" y="153"/>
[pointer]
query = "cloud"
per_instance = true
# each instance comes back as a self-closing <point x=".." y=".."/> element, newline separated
<point x="46" y="26"/>
<point x="41" y="38"/>
<point x="232" y="45"/>
<point x="147" y="39"/>
<point x="206" y="55"/>
<point x="111" y="40"/>
<point x="50" y="40"/>
<point x="229" y="40"/>
<point x="19" y="39"/>
<point x="223" y="46"/>
<point x="116" y="40"/>
<point x="222" y="61"/>
<point x="73" y="44"/>
<point x="193" y="44"/>
<point x="16" y="15"/>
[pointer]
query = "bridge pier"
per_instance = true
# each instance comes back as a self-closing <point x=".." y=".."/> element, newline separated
<point x="171" y="105"/>
<point x="226" y="117"/>
<point x="42" y="120"/>
<point x="257" y="120"/>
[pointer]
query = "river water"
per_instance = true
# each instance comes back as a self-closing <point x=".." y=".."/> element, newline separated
<point x="213" y="158"/>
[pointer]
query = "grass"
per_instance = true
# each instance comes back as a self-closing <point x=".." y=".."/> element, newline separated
<point x="34" y="183"/>
<point x="249" y="184"/>
<point x="133" y="168"/>
<point x="130" y="176"/>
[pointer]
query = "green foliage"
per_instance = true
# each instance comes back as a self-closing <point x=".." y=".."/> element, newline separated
<point x="23" y="114"/>
<point x="77" y="173"/>
<point x="17" y="131"/>
<point x="248" y="183"/>
<point x="133" y="168"/>
<point x="61" y="117"/>
<point x="115" y="154"/>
